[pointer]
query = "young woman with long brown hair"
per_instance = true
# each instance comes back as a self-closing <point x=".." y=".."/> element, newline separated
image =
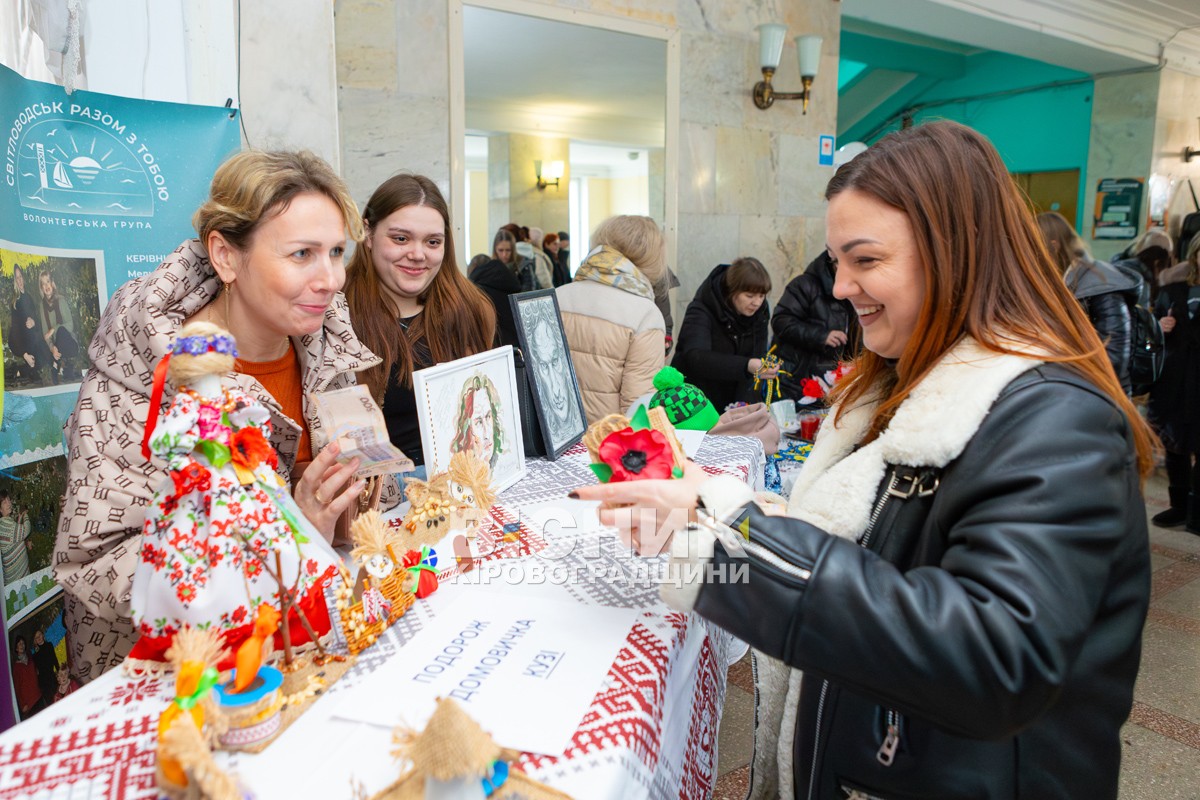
<point x="410" y="303"/>
<point x="963" y="569"/>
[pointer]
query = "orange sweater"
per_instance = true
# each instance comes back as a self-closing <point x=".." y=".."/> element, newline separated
<point x="281" y="378"/>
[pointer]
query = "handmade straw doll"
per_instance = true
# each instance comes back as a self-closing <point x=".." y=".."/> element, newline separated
<point x="371" y="539"/>
<point x="222" y="532"/>
<point x="193" y="654"/>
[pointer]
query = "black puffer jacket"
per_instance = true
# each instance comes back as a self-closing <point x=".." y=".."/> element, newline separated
<point x="1175" y="396"/>
<point x="806" y="314"/>
<point x="1105" y="292"/>
<point x="716" y="344"/>
<point x="990" y="617"/>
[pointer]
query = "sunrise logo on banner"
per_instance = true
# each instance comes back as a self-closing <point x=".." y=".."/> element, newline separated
<point x="83" y="171"/>
<point x="69" y="163"/>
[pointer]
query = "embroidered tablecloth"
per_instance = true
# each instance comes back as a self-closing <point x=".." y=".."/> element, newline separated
<point x="651" y="730"/>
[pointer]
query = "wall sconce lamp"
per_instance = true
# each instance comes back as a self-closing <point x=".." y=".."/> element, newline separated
<point x="770" y="48"/>
<point x="552" y="175"/>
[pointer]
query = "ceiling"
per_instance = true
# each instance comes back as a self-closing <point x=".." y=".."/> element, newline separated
<point x="1091" y="36"/>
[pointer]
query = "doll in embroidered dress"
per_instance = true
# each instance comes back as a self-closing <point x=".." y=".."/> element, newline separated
<point x="213" y="529"/>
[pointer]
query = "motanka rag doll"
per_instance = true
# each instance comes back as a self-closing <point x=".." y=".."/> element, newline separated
<point x="222" y="531"/>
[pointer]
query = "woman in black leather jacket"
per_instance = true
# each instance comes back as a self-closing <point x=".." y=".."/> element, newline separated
<point x="814" y="330"/>
<point x="963" y="572"/>
<point x="724" y="333"/>
<point x="1104" y="290"/>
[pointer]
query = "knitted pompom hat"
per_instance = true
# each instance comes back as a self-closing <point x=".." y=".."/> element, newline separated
<point x="686" y="406"/>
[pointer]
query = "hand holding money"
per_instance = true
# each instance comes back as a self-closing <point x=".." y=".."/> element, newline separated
<point x="354" y="420"/>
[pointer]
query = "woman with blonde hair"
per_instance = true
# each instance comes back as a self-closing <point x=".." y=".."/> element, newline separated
<point x="614" y="329"/>
<point x="963" y="569"/>
<point x="267" y="267"/>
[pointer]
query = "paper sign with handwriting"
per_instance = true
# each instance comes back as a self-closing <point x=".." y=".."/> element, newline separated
<point x="355" y="421"/>
<point x="525" y="669"/>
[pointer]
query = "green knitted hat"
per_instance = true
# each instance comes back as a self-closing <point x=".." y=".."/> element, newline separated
<point x="686" y="406"/>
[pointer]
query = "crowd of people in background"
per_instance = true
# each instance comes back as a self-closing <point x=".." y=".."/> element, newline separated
<point x="408" y="305"/>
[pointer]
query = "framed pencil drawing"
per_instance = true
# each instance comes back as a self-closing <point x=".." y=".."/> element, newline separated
<point x="551" y="372"/>
<point x="472" y="405"/>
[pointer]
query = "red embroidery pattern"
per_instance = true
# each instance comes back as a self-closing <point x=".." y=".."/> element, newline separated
<point x="120" y="755"/>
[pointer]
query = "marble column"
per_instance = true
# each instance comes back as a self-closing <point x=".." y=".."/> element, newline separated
<point x="393" y="91"/>
<point x="1123" y="119"/>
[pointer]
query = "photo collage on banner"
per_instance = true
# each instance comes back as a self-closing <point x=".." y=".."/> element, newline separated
<point x="97" y="190"/>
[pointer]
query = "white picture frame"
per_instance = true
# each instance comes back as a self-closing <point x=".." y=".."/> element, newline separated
<point x="448" y="420"/>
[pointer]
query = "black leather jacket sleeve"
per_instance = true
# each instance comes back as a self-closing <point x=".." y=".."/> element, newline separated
<point x="981" y="631"/>
<point x="795" y="322"/>
<point x="1109" y="314"/>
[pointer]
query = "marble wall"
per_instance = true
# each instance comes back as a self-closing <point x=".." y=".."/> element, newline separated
<point x="1123" y="117"/>
<point x="296" y="106"/>
<point x="393" y="101"/>
<point x="1140" y="126"/>
<point x="1177" y="125"/>
<point x="747" y="180"/>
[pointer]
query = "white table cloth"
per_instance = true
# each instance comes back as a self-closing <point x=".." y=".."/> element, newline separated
<point x="651" y="730"/>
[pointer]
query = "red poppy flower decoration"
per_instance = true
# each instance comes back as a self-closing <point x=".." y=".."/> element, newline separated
<point x="637" y="455"/>
<point x="248" y="449"/>
<point x="191" y="478"/>
<point x="812" y="388"/>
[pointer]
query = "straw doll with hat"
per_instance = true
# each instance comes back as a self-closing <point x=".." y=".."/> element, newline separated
<point x="455" y="759"/>
<point x="223" y="519"/>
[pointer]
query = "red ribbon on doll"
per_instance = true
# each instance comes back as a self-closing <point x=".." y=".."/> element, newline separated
<point x="156" y="394"/>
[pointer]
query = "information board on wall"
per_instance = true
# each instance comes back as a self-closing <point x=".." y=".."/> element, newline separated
<point x="1118" y="208"/>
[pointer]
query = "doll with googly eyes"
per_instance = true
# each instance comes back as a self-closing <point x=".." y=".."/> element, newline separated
<point x="371" y="539"/>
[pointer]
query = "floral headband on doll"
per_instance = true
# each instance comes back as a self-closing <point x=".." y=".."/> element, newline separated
<point x="221" y="343"/>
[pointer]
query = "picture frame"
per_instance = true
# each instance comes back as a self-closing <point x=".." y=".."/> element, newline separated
<point x="452" y="418"/>
<point x="550" y="369"/>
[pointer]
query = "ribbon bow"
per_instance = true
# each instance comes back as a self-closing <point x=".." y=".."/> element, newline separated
<point x="208" y="679"/>
<point x="423" y="562"/>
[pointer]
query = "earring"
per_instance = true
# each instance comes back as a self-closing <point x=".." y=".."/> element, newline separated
<point x="227" y="291"/>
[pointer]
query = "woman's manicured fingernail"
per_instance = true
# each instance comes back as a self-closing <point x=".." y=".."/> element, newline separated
<point x="574" y="495"/>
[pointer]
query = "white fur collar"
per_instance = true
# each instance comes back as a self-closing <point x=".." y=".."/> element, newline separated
<point x="836" y="491"/>
<point x="837" y="487"/>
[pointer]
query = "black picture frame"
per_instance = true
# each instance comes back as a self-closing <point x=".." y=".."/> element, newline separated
<point x="550" y="370"/>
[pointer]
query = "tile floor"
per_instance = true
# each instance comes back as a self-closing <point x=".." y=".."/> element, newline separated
<point x="1161" y="757"/>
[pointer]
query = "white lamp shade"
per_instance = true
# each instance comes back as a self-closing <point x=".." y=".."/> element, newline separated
<point x="809" y="50"/>
<point x="554" y="170"/>
<point x="770" y="44"/>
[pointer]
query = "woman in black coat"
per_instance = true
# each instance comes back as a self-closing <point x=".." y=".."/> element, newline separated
<point x="1175" y="396"/>
<point x="814" y="331"/>
<point x="497" y="281"/>
<point x="963" y="570"/>
<point x="724" y="333"/>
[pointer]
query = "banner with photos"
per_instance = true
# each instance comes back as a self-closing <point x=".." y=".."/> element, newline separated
<point x="96" y="190"/>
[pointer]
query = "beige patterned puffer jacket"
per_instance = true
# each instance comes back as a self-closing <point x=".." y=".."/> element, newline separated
<point x="109" y="483"/>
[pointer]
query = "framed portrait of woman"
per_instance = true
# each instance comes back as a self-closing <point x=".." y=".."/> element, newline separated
<point x="472" y="405"/>
<point x="551" y="372"/>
